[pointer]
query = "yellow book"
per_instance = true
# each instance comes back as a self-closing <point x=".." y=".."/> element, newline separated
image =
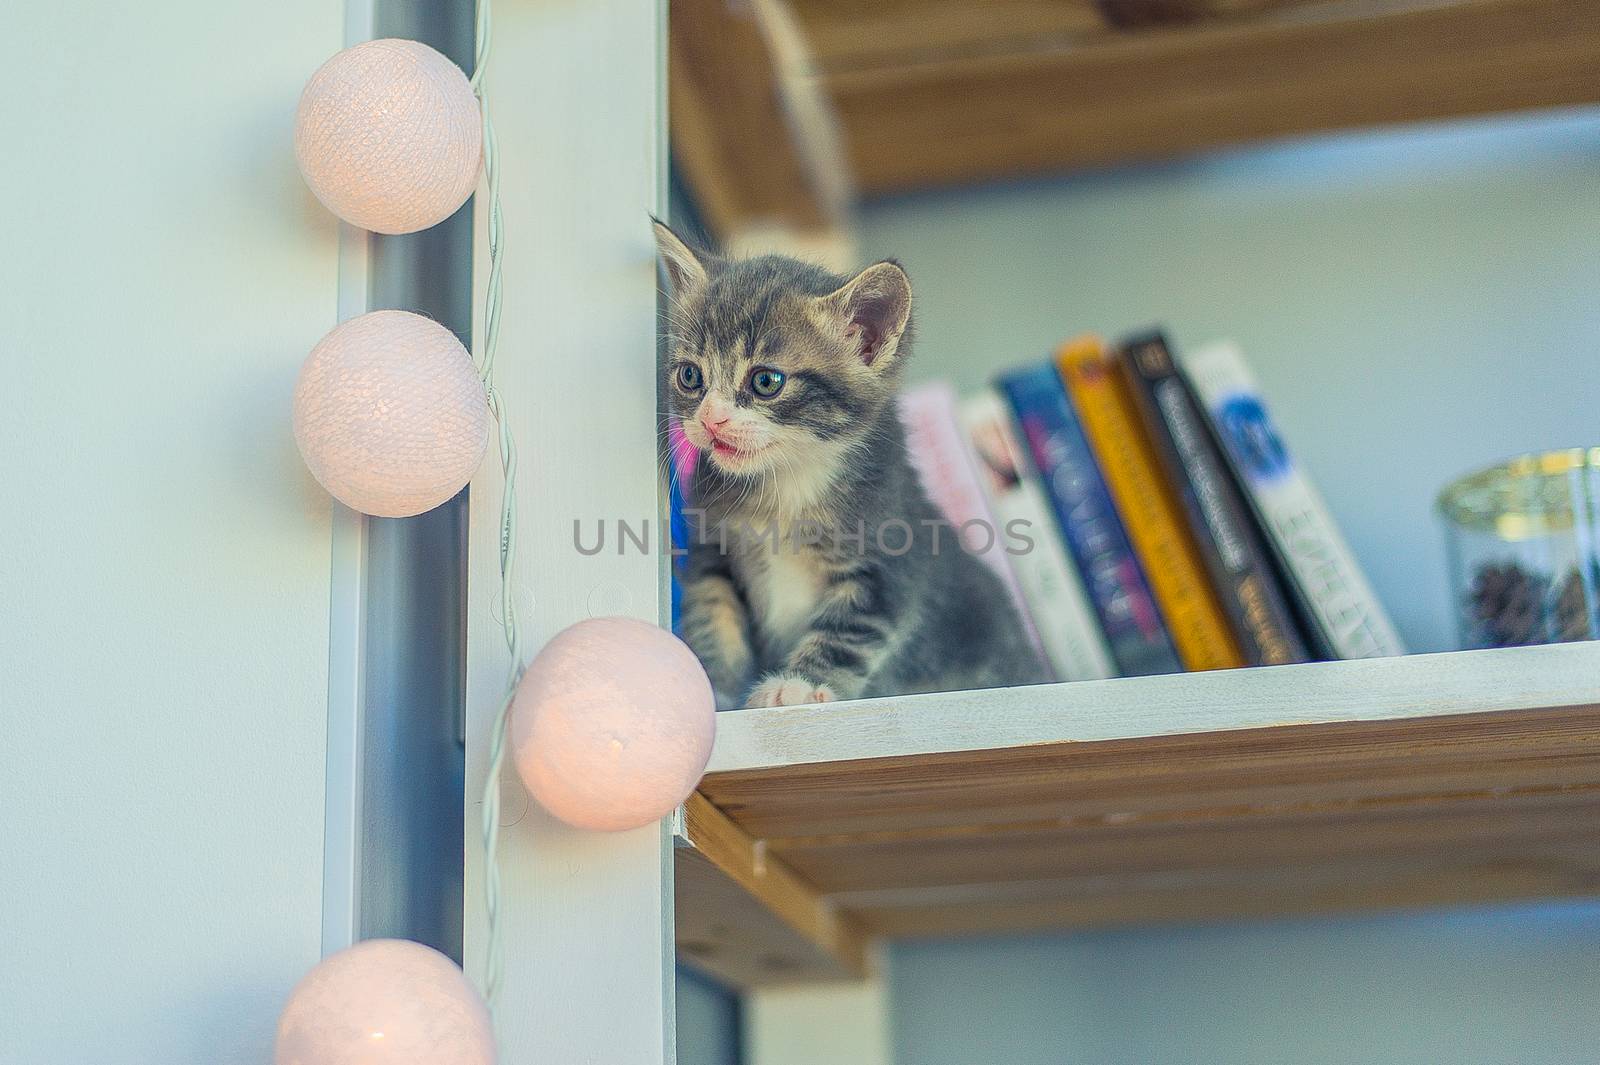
<point x="1155" y="524"/>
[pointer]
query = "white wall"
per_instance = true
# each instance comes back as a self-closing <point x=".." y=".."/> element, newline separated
<point x="165" y="583"/>
<point x="1416" y="303"/>
<point x="1505" y="987"/>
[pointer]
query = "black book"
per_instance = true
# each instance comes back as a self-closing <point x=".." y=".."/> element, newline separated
<point x="1236" y="557"/>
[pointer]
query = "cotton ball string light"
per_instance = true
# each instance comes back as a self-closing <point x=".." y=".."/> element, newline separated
<point x="385" y="1002"/>
<point x="612" y="723"/>
<point x="390" y="414"/>
<point x="389" y="136"/>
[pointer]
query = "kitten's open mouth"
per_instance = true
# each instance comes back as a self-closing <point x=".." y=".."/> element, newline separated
<point x="728" y="452"/>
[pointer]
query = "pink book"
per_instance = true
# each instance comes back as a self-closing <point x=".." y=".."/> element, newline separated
<point x="938" y="451"/>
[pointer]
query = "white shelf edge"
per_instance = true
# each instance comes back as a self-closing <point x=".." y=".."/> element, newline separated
<point x="1379" y="689"/>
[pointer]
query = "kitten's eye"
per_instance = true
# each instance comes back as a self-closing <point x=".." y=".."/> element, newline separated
<point x="689" y="378"/>
<point x="766" y="382"/>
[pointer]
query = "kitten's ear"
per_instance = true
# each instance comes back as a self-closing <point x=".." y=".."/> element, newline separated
<point x="875" y="306"/>
<point x="686" y="268"/>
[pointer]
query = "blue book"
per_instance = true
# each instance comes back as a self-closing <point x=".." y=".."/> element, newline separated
<point x="1088" y="522"/>
<point x="681" y="461"/>
<point x="678" y="533"/>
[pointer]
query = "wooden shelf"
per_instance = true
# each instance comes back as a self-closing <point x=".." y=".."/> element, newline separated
<point x="1418" y="781"/>
<point x="939" y="92"/>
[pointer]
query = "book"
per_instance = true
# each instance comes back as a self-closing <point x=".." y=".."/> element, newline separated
<point x="1148" y="508"/>
<point x="1322" y="574"/>
<point x="1088" y="522"/>
<point x="938" y="451"/>
<point x="1233" y="552"/>
<point x="1055" y="596"/>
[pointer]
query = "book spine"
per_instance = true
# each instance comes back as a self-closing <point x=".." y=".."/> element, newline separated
<point x="1055" y="597"/>
<point x="1321" y="570"/>
<point x="1233" y="552"/>
<point x="1149" y="511"/>
<point x="1088" y="522"/>
<point x="938" y="451"/>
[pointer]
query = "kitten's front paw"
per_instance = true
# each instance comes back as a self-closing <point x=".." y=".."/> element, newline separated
<point x="779" y="690"/>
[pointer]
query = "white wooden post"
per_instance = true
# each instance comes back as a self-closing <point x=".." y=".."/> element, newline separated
<point x="576" y="96"/>
<point x="807" y="1024"/>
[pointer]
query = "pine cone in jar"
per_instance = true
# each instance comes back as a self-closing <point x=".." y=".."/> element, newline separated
<point x="1506" y="605"/>
<point x="1572" y="608"/>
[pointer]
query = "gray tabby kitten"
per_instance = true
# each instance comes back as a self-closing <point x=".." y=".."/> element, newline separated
<point x="819" y="570"/>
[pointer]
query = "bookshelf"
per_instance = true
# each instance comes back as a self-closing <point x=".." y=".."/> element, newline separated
<point x="1329" y="787"/>
<point x="1339" y="786"/>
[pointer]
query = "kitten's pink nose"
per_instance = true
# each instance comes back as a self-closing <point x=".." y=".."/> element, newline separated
<point x="714" y="419"/>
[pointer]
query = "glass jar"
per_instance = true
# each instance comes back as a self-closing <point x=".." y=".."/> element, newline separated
<point x="1522" y="542"/>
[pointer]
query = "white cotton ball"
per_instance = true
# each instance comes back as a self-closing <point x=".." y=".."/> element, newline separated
<point x="385" y="1002"/>
<point x="389" y="136"/>
<point x="390" y="414"/>
<point x="612" y="724"/>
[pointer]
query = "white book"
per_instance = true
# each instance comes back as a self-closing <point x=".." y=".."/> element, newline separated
<point x="1328" y="582"/>
<point x="1053" y="590"/>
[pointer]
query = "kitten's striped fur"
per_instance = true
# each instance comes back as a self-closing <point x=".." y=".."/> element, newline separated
<point x="783" y="601"/>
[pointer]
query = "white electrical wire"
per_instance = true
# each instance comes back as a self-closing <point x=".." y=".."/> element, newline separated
<point x="494" y="962"/>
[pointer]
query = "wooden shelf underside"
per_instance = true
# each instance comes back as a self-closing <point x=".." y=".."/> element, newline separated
<point x="943" y="92"/>
<point x="1421" y="781"/>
